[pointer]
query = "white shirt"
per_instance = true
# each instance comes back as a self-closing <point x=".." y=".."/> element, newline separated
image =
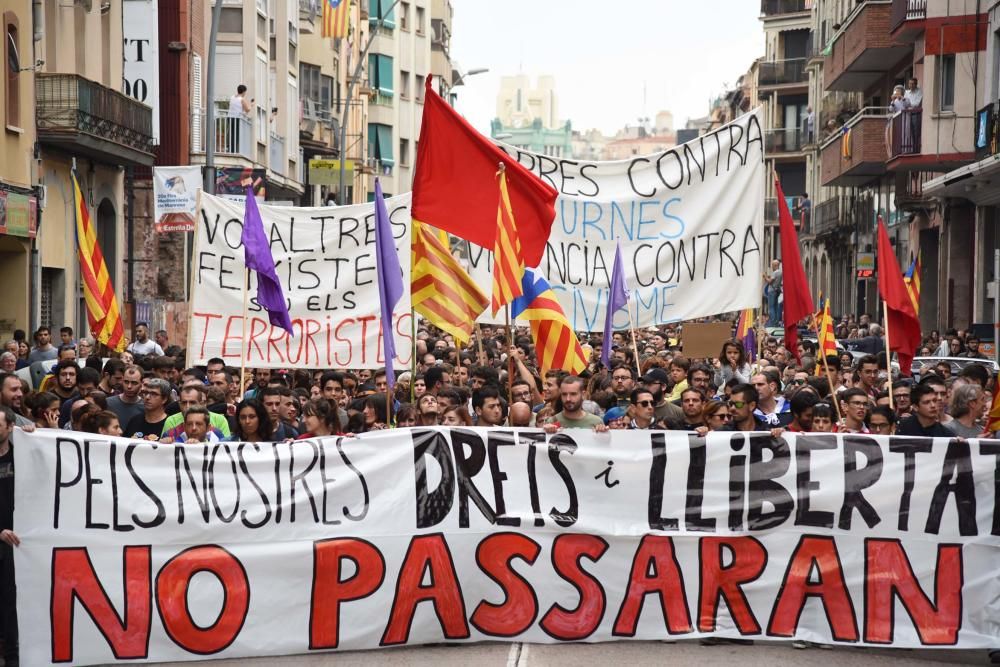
<point x="149" y="347"/>
<point x="914" y="97"/>
<point x="235" y="107"/>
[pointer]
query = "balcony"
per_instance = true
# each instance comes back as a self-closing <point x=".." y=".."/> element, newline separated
<point x="769" y="8"/>
<point x="782" y="73"/>
<point x="233" y="136"/>
<point x="783" y="140"/>
<point x="276" y="155"/>
<point x="864" y="50"/>
<point x="987" y="131"/>
<point x="309" y="14"/>
<point x="907" y="19"/>
<point x="799" y="216"/>
<point x="84" y="117"/>
<point x="910" y="189"/>
<point x="904" y="133"/>
<point x="827" y="218"/>
<point x="857" y="153"/>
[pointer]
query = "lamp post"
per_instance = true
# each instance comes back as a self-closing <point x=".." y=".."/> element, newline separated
<point x="342" y="191"/>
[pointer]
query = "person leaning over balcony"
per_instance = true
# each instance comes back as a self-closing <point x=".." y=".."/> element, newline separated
<point x="914" y="96"/>
<point x="239" y="107"/>
<point x="898" y="102"/>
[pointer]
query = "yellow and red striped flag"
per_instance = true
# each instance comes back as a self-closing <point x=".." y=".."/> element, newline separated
<point x="336" y="17"/>
<point x="440" y="288"/>
<point x="827" y="339"/>
<point x="993" y="420"/>
<point x="912" y="280"/>
<point x="103" y="314"/>
<point x="508" y="260"/>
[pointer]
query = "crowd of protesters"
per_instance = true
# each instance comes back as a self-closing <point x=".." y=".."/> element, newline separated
<point x="148" y="392"/>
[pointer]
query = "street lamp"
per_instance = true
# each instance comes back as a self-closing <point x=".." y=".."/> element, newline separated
<point x="472" y="72"/>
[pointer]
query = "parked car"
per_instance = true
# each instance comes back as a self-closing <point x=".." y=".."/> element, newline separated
<point x="956" y="363"/>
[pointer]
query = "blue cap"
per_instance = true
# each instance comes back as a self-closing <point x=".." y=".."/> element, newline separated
<point x="613" y="413"/>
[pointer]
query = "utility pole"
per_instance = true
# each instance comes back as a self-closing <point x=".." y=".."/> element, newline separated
<point x="342" y="191"/>
<point x="209" y="176"/>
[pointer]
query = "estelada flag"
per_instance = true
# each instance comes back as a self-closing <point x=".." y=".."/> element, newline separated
<point x="454" y="187"/>
<point x="903" y="326"/>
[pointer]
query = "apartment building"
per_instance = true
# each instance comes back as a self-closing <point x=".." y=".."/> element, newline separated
<point x="412" y="40"/>
<point x="976" y="184"/>
<point x="883" y="156"/>
<point x="18" y="196"/>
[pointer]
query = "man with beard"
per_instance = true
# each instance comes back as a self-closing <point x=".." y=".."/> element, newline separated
<point x="573" y="414"/>
<point x="111" y="377"/>
<point x="622" y="384"/>
<point x="127" y="404"/>
<point x="692" y="404"/>
<point x="655" y="381"/>
<point x="65" y="372"/>
<point x="12" y="396"/>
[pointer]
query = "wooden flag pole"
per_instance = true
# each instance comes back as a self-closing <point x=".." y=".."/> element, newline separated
<point x="635" y="347"/>
<point x="510" y="359"/>
<point x="888" y="353"/>
<point x="246" y="352"/>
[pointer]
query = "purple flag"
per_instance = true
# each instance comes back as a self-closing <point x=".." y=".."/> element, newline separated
<point x="257" y="257"/>
<point x="750" y="345"/>
<point x="390" y="279"/>
<point x="617" y="299"/>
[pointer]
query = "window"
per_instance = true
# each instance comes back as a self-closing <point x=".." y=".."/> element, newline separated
<point x="12" y="90"/>
<point x="380" y="143"/>
<point x="325" y="95"/>
<point x="420" y="20"/>
<point x="946" y="97"/>
<point x="404" y="84"/>
<point x="404" y="152"/>
<point x="310" y="77"/>
<point x="231" y="20"/>
<point x="404" y="16"/>
<point x="420" y="88"/>
<point x="380" y="73"/>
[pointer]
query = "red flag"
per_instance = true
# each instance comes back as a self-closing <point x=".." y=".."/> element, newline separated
<point x="454" y="187"/>
<point x="902" y="325"/>
<point x="798" y="299"/>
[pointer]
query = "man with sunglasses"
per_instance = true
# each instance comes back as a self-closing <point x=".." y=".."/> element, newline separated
<point x="742" y="405"/>
<point x="643" y="411"/>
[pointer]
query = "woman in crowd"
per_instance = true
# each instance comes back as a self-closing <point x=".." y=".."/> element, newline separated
<point x="715" y="415"/>
<point x="616" y="418"/>
<point x="732" y="362"/>
<point x="103" y="422"/>
<point x="407" y="416"/>
<point x="377" y="413"/>
<point x="253" y="423"/>
<point x="81" y="410"/>
<point x="43" y="408"/>
<point x="456" y="415"/>
<point x="320" y="418"/>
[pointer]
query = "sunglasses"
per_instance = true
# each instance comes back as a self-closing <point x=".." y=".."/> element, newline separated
<point x="739" y="405"/>
<point x="798" y="382"/>
<point x="724" y="417"/>
<point x="644" y="404"/>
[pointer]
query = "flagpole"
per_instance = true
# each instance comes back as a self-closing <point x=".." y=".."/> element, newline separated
<point x="635" y="347"/>
<point x="510" y="359"/>
<point x="413" y="360"/>
<point x="245" y="352"/>
<point x="888" y="352"/>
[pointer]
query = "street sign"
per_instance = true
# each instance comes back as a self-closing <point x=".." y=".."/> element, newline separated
<point x="326" y="171"/>
<point x="866" y="265"/>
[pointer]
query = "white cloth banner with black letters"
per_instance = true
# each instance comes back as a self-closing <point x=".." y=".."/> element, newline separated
<point x="144" y="551"/>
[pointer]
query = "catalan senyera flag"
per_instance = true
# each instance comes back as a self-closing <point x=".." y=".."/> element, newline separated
<point x="912" y="280"/>
<point x="993" y="421"/>
<point x="336" y="17"/>
<point x="508" y="260"/>
<point x="556" y="345"/>
<point x="103" y="314"/>
<point x="440" y="289"/>
<point x="827" y="339"/>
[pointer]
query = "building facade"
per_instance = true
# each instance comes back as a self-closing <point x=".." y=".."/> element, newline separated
<point x="527" y="117"/>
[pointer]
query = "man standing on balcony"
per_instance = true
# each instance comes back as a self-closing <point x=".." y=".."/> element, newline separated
<point x="238" y="108"/>
<point x="773" y="293"/>
<point x="913" y="94"/>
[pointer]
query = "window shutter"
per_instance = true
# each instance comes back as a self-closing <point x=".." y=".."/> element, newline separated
<point x="197" y="105"/>
<point x="385" y="75"/>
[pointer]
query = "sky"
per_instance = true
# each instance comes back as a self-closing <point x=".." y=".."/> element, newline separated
<point x="604" y="55"/>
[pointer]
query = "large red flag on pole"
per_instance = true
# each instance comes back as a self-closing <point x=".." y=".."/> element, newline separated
<point x="454" y="187"/>
<point x="902" y="325"/>
<point x="795" y="287"/>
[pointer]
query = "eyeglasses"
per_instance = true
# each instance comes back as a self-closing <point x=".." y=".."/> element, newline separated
<point x="621" y="378"/>
<point x="739" y="405"/>
<point x="798" y="382"/>
<point x="644" y="404"/>
<point x="905" y="394"/>
<point x="858" y="404"/>
<point x="724" y="416"/>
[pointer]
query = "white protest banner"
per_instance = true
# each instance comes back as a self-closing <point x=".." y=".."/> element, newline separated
<point x="146" y="551"/>
<point x="175" y="198"/>
<point x="690" y="221"/>
<point x="325" y="259"/>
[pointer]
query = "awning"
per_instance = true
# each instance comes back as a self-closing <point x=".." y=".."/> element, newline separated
<point x="978" y="182"/>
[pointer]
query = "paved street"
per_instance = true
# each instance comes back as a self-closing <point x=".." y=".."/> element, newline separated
<point x="633" y="654"/>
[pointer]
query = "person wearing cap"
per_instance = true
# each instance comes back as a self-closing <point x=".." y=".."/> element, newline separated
<point x="616" y="418"/>
<point x="655" y="381"/>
